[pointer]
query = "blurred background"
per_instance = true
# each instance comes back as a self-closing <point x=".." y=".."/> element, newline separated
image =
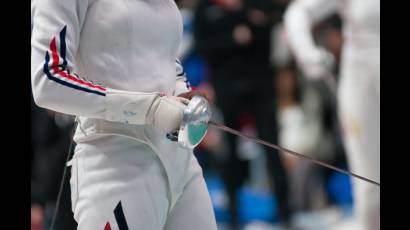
<point x="237" y="53"/>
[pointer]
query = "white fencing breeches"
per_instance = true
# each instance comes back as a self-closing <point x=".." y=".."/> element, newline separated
<point x="359" y="107"/>
<point x="120" y="183"/>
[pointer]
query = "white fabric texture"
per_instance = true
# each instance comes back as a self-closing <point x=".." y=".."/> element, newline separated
<point x="110" y="170"/>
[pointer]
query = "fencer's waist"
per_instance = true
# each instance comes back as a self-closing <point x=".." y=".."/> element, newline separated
<point x="91" y="129"/>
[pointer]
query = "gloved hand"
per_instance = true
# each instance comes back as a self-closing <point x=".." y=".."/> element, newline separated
<point x="317" y="63"/>
<point x="166" y="113"/>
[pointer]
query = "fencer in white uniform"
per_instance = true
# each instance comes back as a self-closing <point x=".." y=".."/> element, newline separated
<point x="113" y="65"/>
<point x="359" y="86"/>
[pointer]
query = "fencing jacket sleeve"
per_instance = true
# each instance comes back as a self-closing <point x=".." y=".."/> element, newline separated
<point x="56" y="84"/>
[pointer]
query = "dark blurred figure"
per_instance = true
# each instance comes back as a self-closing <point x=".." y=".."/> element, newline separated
<point x="233" y="36"/>
<point x="50" y="139"/>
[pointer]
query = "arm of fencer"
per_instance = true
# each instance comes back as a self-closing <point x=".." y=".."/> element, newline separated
<point x="57" y="86"/>
<point x="300" y="17"/>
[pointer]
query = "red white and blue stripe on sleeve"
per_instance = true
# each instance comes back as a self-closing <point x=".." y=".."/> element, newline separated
<point x="57" y="70"/>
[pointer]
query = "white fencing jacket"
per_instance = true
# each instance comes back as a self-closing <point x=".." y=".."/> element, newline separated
<point x="105" y="59"/>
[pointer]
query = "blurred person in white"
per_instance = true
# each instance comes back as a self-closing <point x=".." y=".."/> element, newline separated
<point x="359" y="86"/>
<point x="126" y="174"/>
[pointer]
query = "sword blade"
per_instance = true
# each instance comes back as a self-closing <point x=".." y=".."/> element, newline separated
<point x="284" y="150"/>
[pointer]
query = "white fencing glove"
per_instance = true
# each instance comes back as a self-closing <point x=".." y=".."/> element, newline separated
<point x="166" y="113"/>
<point x="161" y="111"/>
<point x="317" y="63"/>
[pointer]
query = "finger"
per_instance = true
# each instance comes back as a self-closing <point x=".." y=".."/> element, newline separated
<point x="183" y="100"/>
